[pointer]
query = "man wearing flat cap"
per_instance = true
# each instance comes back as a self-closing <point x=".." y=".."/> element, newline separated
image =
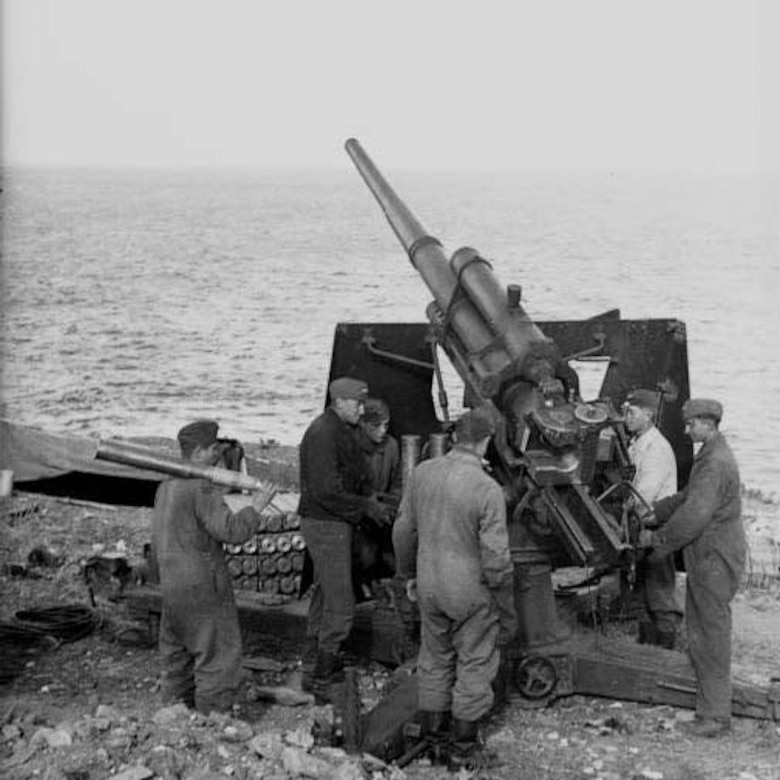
<point x="200" y="640"/>
<point x="704" y="521"/>
<point x="335" y="496"/>
<point x="655" y="477"/>
<point x="452" y="546"/>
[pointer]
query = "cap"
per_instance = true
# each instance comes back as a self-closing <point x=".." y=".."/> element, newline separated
<point x="645" y="399"/>
<point x="473" y="426"/>
<point x="702" y="407"/>
<point x="200" y="433"/>
<point x="375" y="411"/>
<point x="347" y="387"/>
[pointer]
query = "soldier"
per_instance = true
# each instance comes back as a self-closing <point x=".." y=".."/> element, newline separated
<point x="373" y="545"/>
<point x="335" y="496"/>
<point x="200" y="640"/>
<point x="452" y="545"/>
<point x="655" y="478"/>
<point x="704" y="521"/>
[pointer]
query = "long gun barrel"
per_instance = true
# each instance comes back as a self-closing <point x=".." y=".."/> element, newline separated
<point x="142" y="458"/>
<point x="499" y="352"/>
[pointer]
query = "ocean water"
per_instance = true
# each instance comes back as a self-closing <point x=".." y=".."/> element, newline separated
<point x="133" y="300"/>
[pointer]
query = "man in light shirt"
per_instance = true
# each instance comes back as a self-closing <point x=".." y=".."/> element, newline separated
<point x="655" y="478"/>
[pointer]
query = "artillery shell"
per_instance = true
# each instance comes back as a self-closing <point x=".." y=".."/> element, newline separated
<point x="287" y="584"/>
<point x="249" y="564"/>
<point x="250" y="547"/>
<point x="297" y="561"/>
<point x="233" y="549"/>
<point x="267" y="544"/>
<point x="283" y="543"/>
<point x="234" y="567"/>
<point x="297" y="542"/>
<point x="270" y="586"/>
<point x="292" y="521"/>
<point x="262" y="525"/>
<point x="284" y="564"/>
<point x="273" y="524"/>
<point x="268" y="565"/>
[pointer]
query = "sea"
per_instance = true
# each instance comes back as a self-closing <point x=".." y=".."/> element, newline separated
<point x="134" y="301"/>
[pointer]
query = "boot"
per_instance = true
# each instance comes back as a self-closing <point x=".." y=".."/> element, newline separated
<point x="665" y="639"/>
<point x="328" y="674"/>
<point x="647" y="633"/>
<point x="435" y="728"/>
<point x="308" y="664"/>
<point x="467" y="749"/>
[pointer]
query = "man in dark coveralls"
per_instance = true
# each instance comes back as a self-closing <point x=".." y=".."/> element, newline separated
<point x="200" y="640"/>
<point x="451" y="543"/>
<point x="335" y="496"/>
<point x="704" y="521"/>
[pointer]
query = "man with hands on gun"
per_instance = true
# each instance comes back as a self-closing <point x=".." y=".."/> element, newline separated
<point x="704" y="521"/>
<point x="335" y="497"/>
<point x="452" y="546"/>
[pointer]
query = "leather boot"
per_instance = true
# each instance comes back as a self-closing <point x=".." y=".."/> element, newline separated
<point x="308" y="664"/>
<point x="328" y="672"/>
<point x="647" y="633"/>
<point x="665" y="638"/>
<point x="435" y="728"/>
<point x="467" y="749"/>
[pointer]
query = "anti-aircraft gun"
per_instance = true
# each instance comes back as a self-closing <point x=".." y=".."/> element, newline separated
<point x="561" y="460"/>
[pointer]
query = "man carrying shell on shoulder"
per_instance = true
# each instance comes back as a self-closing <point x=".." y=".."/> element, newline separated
<point x="200" y="639"/>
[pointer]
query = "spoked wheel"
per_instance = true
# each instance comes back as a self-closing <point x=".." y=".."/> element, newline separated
<point x="535" y="677"/>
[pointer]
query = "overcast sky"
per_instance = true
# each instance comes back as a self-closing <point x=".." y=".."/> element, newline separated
<point x="691" y="85"/>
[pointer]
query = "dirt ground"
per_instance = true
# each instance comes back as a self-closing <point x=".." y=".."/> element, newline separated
<point x="91" y="708"/>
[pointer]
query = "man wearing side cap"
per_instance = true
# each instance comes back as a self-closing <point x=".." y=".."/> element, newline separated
<point x="335" y="496"/>
<point x="200" y="640"/>
<point x="452" y="546"/>
<point x="704" y="521"/>
<point x="655" y="478"/>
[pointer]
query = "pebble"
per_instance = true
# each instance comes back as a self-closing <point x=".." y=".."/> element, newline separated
<point x="54" y="738"/>
<point x="168" y="715"/>
<point x="138" y="772"/>
<point x="651" y="774"/>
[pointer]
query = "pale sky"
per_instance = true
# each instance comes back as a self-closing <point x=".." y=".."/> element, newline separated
<point x="685" y="85"/>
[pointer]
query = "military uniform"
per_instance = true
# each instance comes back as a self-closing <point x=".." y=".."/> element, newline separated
<point x="451" y="535"/>
<point x="704" y="521"/>
<point x="334" y="497"/>
<point x="200" y="639"/>
<point x="656" y="478"/>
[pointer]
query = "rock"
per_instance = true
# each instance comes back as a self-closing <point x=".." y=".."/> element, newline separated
<point x="240" y="731"/>
<point x="651" y="774"/>
<point x="165" y="763"/>
<point x="11" y="732"/>
<point x="299" y="762"/>
<point x="301" y="738"/>
<point x="349" y="770"/>
<point x="138" y="772"/>
<point x="106" y="712"/>
<point x="267" y="745"/>
<point x="173" y="714"/>
<point x="54" y="738"/>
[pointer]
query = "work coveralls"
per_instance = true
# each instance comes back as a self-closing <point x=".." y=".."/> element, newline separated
<point x="200" y="639"/>
<point x="656" y="478"/>
<point x="451" y="535"/>
<point x="705" y="522"/>
<point x="334" y="493"/>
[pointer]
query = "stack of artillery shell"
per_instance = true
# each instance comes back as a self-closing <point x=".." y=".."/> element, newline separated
<point x="271" y="562"/>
